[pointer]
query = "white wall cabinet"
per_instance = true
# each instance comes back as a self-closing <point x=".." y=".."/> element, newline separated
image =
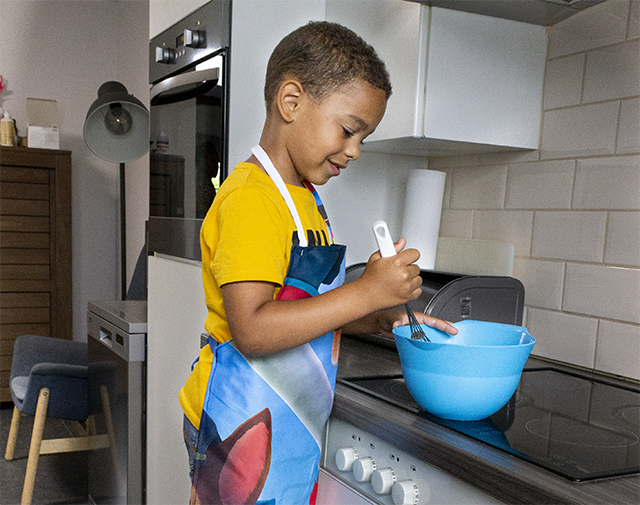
<point x="462" y="82"/>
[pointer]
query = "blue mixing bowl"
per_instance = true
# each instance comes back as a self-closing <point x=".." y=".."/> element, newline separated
<point x="468" y="376"/>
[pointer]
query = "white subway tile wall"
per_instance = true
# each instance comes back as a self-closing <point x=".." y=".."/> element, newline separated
<point x="611" y="73"/>
<point x="471" y="190"/>
<point x="634" y="21"/>
<point x="629" y="129"/>
<point x="571" y="208"/>
<point x="607" y="183"/>
<point x="602" y="26"/>
<point x="587" y="130"/>
<point x="512" y="226"/>
<point x="458" y="223"/>
<point x="541" y="185"/>
<point x="563" y="81"/>
<point x="574" y="236"/>
<point x="574" y="336"/>
<point x="544" y="281"/>
<point x="618" y="348"/>
<point x="602" y="291"/>
<point x="623" y="239"/>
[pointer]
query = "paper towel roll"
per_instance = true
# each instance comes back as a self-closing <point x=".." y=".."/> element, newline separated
<point x="422" y="211"/>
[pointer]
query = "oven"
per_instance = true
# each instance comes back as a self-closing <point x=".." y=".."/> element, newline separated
<point x="188" y="71"/>
<point x="358" y="468"/>
<point x="578" y="426"/>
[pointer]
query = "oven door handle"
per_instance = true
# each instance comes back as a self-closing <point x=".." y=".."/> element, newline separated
<point x="184" y="86"/>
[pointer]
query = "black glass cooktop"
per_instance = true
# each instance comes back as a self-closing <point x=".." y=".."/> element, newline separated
<point x="576" y="427"/>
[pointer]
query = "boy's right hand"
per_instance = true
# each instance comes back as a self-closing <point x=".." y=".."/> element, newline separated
<point x="394" y="280"/>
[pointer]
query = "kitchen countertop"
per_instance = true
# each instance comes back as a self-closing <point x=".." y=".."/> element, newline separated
<point x="502" y="475"/>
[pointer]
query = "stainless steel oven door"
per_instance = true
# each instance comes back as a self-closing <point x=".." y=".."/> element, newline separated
<point x="188" y="140"/>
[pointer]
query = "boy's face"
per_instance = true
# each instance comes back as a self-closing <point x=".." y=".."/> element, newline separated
<point x="327" y="133"/>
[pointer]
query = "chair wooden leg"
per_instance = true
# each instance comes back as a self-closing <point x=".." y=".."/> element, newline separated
<point x="91" y="425"/>
<point x="34" y="448"/>
<point x="13" y="434"/>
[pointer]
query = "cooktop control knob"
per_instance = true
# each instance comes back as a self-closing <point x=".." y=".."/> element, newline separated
<point x="363" y="469"/>
<point x="405" y="492"/>
<point x="345" y="458"/>
<point x="194" y="38"/>
<point x="383" y="480"/>
<point x="165" y="55"/>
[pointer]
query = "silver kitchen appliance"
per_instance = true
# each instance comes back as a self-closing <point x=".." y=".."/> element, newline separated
<point x="188" y="71"/>
<point x="117" y="379"/>
<point x="360" y="469"/>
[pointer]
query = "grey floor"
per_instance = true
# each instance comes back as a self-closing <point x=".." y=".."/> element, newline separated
<point x="60" y="479"/>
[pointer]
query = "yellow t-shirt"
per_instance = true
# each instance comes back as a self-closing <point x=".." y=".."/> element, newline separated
<point x="246" y="236"/>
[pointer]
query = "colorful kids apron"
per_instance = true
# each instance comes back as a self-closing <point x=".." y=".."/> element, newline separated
<point x="263" y="417"/>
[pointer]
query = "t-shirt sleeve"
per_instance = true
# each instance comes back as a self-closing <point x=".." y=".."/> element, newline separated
<point x="252" y="239"/>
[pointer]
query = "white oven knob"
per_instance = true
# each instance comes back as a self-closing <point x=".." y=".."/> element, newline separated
<point x="194" y="38"/>
<point x="345" y="458"/>
<point x="383" y="480"/>
<point x="405" y="493"/>
<point x="165" y="55"/>
<point x="363" y="469"/>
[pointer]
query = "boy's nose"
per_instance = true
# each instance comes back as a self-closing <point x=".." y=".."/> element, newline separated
<point x="353" y="149"/>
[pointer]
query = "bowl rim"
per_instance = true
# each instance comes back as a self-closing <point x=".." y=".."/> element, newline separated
<point x="531" y="342"/>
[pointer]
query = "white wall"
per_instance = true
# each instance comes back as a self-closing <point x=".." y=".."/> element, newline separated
<point x="165" y="13"/>
<point x="571" y="208"/>
<point x="64" y="50"/>
<point x="370" y="189"/>
<point x="256" y="28"/>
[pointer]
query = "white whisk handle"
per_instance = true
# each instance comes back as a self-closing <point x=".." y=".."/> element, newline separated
<point x="384" y="240"/>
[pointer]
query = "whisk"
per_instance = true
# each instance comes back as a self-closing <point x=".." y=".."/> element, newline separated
<point x="386" y="247"/>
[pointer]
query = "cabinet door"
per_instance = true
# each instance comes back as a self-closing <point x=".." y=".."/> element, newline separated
<point x="35" y="249"/>
<point x="462" y="82"/>
<point x="484" y="79"/>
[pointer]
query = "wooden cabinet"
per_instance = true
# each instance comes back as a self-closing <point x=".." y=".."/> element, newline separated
<point x="35" y="249"/>
<point x="462" y="83"/>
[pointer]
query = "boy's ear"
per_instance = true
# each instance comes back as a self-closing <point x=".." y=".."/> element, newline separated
<point x="289" y="100"/>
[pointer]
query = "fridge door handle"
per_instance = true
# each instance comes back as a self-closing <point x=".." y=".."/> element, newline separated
<point x="184" y="86"/>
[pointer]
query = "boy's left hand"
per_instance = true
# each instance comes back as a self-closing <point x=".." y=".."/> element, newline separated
<point x="392" y="318"/>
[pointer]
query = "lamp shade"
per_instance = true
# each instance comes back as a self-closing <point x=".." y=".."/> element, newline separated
<point x="117" y="125"/>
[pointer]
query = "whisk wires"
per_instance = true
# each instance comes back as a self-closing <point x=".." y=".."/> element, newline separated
<point x="417" y="333"/>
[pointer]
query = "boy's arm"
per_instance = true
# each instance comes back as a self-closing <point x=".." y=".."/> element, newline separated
<point x="261" y="325"/>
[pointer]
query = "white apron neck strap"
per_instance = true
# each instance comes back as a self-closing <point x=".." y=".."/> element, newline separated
<point x="266" y="163"/>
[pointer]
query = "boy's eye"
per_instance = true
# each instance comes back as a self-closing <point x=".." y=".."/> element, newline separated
<point x="346" y="132"/>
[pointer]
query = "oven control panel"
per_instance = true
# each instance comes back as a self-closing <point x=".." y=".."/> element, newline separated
<point x="382" y="474"/>
<point x="201" y="34"/>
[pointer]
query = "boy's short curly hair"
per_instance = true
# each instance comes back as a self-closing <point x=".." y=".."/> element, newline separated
<point x="324" y="56"/>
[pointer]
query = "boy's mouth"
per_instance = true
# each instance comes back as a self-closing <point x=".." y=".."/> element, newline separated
<point x="336" y="168"/>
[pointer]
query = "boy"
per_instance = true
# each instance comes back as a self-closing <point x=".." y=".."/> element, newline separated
<point x="257" y="399"/>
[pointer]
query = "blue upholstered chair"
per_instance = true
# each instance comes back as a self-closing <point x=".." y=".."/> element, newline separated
<point x="49" y="379"/>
